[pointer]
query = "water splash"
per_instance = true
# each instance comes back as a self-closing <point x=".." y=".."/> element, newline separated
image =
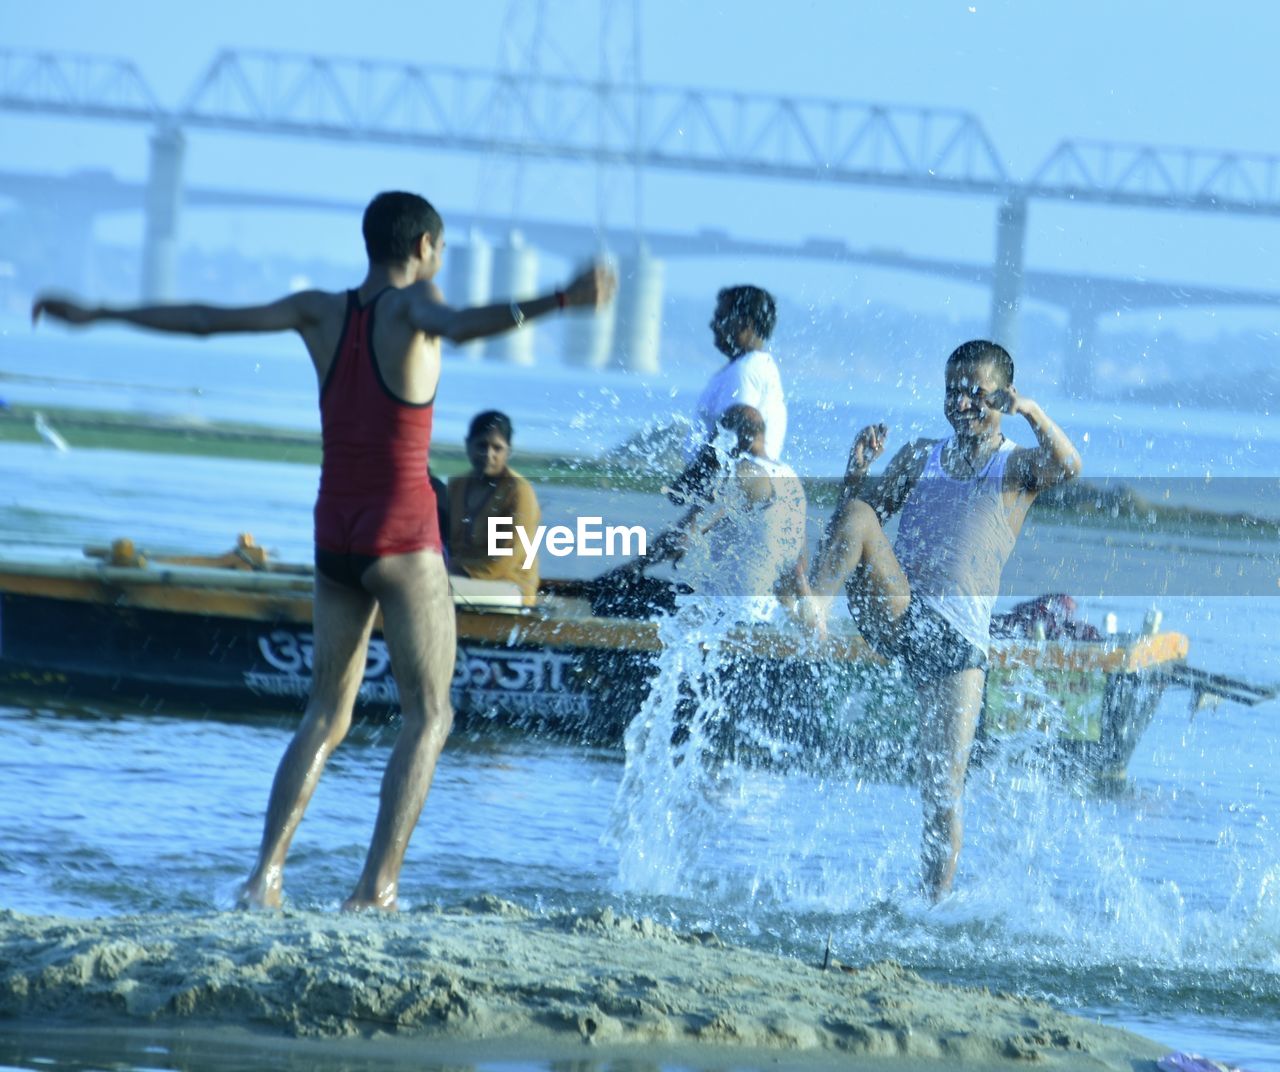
<point x="1079" y="894"/>
<point x="709" y="760"/>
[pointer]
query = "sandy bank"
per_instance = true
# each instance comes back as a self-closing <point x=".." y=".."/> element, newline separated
<point x="489" y="972"/>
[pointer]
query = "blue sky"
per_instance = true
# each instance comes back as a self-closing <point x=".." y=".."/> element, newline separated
<point x="1034" y="73"/>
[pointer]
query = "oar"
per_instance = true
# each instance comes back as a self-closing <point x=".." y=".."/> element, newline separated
<point x="1203" y="683"/>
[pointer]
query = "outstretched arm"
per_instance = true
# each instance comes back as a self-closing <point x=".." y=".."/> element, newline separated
<point x="1054" y="459"/>
<point x="292" y="313"/>
<point x="432" y="316"/>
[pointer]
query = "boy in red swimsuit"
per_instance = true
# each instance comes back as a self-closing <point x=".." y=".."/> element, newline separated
<point x="376" y="352"/>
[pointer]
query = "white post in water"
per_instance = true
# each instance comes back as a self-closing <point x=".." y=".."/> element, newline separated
<point x="164" y="200"/>
<point x="1006" y="288"/>
<point x="515" y="277"/>
<point x="588" y="333"/>
<point x="638" y="333"/>
<point x="470" y="271"/>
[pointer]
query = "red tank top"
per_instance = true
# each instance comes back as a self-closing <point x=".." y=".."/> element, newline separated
<point x="375" y="498"/>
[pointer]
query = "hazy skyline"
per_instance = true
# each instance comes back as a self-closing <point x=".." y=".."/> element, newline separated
<point x="1033" y="74"/>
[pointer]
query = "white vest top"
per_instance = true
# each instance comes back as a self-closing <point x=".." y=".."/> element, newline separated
<point x="953" y="541"/>
<point x="750" y="380"/>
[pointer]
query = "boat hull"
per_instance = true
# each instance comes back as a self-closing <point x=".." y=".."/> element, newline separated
<point x="164" y="643"/>
<point x="189" y="663"/>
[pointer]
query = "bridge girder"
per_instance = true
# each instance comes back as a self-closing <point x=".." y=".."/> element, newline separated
<point x="65" y="84"/>
<point x="1148" y="176"/>
<point x="670" y="128"/>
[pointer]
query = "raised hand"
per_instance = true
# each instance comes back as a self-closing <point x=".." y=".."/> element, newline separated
<point x="592" y="288"/>
<point x="1007" y="400"/>
<point x="67" y="311"/>
<point x="868" y="445"/>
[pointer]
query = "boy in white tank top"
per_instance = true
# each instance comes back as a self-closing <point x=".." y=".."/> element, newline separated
<point x="927" y="599"/>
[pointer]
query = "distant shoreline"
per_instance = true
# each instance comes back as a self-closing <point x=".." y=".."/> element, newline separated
<point x="636" y="466"/>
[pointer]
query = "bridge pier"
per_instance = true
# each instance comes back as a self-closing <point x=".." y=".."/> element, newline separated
<point x="163" y="203"/>
<point x="1077" y="367"/>
<point x="1006" y="288"/>
<point x="638" y="332"/>
<point x="470" y="270"/>
<point x="589" y="333"/>
<point x="515" y="278"/>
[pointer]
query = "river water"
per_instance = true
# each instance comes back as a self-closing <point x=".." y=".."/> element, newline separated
<point x="1155" y="908"/>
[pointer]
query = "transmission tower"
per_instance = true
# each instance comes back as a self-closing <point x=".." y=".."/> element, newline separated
<point x="535" y="42"/>
<point x="537" y="52"/>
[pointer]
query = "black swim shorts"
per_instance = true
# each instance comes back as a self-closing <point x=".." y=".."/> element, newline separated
<point x="929" y="646"/>
<point x="345" y="569"/>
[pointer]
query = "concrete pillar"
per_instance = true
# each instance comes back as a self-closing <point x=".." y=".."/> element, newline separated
<point x="1077" y="368"/>
<point x="515" y="278"/>
<point x="588" y="333"/>
<point x="1006" y="288"/>
<point x="164" y="201"/>
<point x="470" y="274"/>
<point x="638" y="332"/>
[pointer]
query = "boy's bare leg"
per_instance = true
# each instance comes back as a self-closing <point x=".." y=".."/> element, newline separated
<point x="949" y="709"/>
<point x="857" y="554"/>
<point x="421" y="634"/>
<point x="342" y="619"/>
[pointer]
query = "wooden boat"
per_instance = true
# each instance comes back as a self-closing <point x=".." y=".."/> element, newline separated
<point x="231" y="633"/>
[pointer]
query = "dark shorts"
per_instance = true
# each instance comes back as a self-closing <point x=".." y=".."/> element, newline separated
<point x="344" y="568"/>
<point x="929" y="646"/>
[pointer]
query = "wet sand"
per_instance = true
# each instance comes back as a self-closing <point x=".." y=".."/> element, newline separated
<point x="487" y="980"/>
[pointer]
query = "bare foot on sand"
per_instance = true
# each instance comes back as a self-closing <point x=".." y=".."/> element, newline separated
<point x="386" y="900"/>
<point x="352" y="905"/>
<point x="261" y="893"/>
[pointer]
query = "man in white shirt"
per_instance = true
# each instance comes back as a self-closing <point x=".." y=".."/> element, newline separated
<point x="741" y="326"/>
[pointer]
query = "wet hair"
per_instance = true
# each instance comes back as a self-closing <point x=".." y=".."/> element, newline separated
<point x="393" y="223"/>
<point x="980" y="351"/>
<point x="755" y="305"/>
<point x="491" y="420"/>
<point x="745" y="422"/>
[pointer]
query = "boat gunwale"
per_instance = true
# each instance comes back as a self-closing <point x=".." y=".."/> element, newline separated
<point x="277" y="594"/>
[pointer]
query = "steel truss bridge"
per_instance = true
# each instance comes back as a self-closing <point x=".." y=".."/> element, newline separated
<point x="708" y="132"/>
